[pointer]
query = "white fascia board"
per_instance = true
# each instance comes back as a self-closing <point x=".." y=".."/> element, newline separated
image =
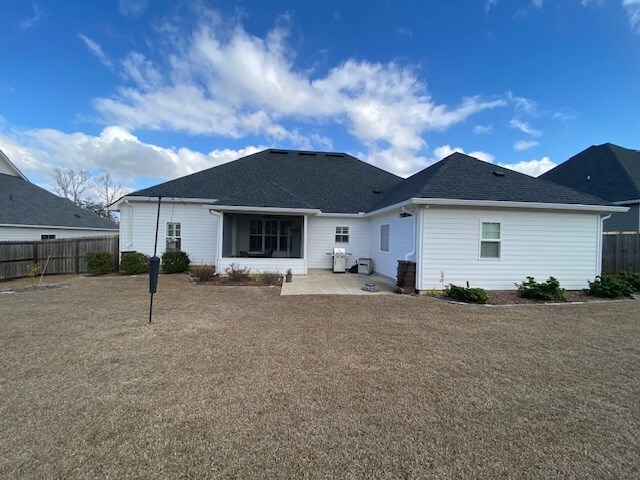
<point x="236" y="208"/>
<point x="342" y="215"/>
<point x="133" y="198"/>
<point x="59" y="227"/>
<point x="533" y="205"/>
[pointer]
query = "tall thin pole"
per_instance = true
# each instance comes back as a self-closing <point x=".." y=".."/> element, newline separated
<point x="155" y="251"/>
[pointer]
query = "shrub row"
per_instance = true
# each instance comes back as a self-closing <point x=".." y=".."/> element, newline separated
<point x="466" y="294"/>
<point x="547" y="291"/>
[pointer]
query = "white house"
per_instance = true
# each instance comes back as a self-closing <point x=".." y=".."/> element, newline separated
<point x="28" y="212"/>
<point x="462" y="218"/>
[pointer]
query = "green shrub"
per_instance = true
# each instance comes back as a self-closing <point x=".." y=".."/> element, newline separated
<point x="134" y="263"/>
<point x="236" y="273"/>
<point x="267" y="278"/>
<point x="175" y="262"/>
<point x="468" y="295"/>
<point x="609" y="287"/>
<point x="99" y="263"/>
<point x="633" y="279"/>
<point x="202" y="272"/>
<point x="548" y="291"/>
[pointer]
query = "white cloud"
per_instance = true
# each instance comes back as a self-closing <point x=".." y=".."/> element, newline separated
<point x="537" y="3"/>
<point x="524" y="127"/>
<point x="220" y="80"/>
<point x="405" y="31"/>
<point x="522" y="104"/>
<point x="531" y="167"/>
<point x="483" y="129"/>
<point x="132" y="8"/>
<point x="489" y="5"/>
<point x="115" y="149"/>
<point x="522" y="145"/>
<point x="446" y="150"/>
<point x="96" y="49"/>
<point x="31" y="21"/>
<point x="565" y="114"/>
<point x="633" y="12"/>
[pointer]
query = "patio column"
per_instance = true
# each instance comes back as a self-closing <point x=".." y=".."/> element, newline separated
<point x="304" y="241"/>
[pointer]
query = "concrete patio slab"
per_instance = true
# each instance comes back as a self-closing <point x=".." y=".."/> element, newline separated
<point x="325" y="282"/>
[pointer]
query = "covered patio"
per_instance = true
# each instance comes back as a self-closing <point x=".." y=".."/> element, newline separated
<point x="325" y="282"/>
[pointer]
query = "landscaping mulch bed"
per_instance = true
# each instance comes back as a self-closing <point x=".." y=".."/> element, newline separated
<point x="510" y="297"/>
<point x="227" y="282"/>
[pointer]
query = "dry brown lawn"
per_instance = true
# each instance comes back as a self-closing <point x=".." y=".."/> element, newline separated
<point x="240" y="382"/>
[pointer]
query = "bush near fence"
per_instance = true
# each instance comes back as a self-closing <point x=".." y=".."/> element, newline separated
<point x="66" y="255"/>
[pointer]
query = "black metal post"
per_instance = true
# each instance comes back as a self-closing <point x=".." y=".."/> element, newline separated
<point x="154" y="264"/>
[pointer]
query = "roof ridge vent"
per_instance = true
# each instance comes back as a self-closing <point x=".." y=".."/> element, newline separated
<point x="335" y="155"/>
<point x="307" y="154"/>
<point x="499" y="173"/>
<point x="279" y="152"/>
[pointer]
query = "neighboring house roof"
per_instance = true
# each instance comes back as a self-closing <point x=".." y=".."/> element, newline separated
<point x="331" y="182"/>
<point x="608" y="171"/>
<point x="340" y="183"/>
<point x="462" y="177"/>
<point x="23" y="203"/>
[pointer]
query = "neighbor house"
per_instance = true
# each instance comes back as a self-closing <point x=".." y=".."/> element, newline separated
<point x="28" y="212"/>
<point x="460" y="220"/>
<point x="607" y="171"/>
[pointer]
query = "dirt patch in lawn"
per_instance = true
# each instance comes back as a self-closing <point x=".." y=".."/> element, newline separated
<point x="245" y="383"/>
<point x="34" y="288"/>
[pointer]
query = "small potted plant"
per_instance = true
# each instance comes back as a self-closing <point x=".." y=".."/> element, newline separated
<point x="288" y="276"/>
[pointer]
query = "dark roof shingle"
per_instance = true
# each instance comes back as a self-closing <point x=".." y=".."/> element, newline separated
<point x="607" y="171"/>
<point x="23" y="203"/>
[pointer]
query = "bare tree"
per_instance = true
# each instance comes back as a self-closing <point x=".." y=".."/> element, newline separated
<point x="106" y="189"/>
<point x="71" y="184"/>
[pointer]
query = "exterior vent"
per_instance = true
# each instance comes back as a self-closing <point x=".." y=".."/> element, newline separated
<point x="335" y="155"/>
<point x="280" y="152"/>
<point x="307" y="154"/>
<point x="377" y="190"/>
<point x="76" y="215"/>
<point x="498" y="173"/>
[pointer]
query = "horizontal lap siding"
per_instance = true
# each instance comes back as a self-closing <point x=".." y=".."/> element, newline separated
<point x="198" y="229"/>
<point x="31" y="233"/>
<point x="534" y="243"/>
<point x="321" y="238"/>
<point x="400" y="242"/>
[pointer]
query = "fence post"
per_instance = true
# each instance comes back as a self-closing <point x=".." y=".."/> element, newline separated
<point x="35" y="253"/>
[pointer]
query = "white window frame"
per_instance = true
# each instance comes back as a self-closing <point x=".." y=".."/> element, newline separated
<point x="47" y="236"/>
<point x="170" y="234"/>
<point x="342" y="231"/>
<point x="388" y="237"/>
<point x="490" y="240"/>
<point x="279" y="235"/>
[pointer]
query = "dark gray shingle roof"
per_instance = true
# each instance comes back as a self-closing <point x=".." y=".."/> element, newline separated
<point x="23" y="203"/>
<point x="607" y="171"/>
<point x="462" y="177"/>
<point x="331" y="182"/>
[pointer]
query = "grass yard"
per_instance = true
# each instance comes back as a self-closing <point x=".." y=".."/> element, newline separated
<point x="240" y="382"/>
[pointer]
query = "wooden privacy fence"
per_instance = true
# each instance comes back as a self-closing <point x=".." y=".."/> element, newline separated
<point x="621" y="252"/>
<point x="68" y="255"/>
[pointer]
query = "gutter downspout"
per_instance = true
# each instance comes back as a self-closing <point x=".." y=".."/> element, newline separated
<point x="599" y="252"/>
<point x="413" y="236"/>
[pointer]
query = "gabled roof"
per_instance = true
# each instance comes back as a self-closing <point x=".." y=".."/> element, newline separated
<point x="461" y="177"/>
<point x="331" y="182"/>
<point x="608" y="171"/>
<point x="7" y="167"/>
<point x="23" y="203"/>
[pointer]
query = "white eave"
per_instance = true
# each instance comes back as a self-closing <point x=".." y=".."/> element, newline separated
<point x="500" y="204"/>
<point x="236" y="208"/>
<point x="59" y="227"/>
<point x="134" y="198"/>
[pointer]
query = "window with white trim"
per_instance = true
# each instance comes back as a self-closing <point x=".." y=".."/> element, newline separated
<point x="342" y="234"/>
<point x="174" y="237"/>
<point x="270" y="235"/>
<point x="490" y="240"/>
<point x="384" y="237"/>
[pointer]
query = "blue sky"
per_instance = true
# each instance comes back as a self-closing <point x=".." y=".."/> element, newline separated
<point x="154" y="90"/>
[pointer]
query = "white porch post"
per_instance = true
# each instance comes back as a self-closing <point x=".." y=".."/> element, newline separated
<point x="304" y="242"/>
<point x="220" y="239"/>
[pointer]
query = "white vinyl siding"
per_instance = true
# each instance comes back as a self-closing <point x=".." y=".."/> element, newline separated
<point x="400" y="242"/>
<point x="198" y="229"/>
<point x="35" y="233"/>
<point x="533" y="243"/>
<point x="321" y="239"/>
